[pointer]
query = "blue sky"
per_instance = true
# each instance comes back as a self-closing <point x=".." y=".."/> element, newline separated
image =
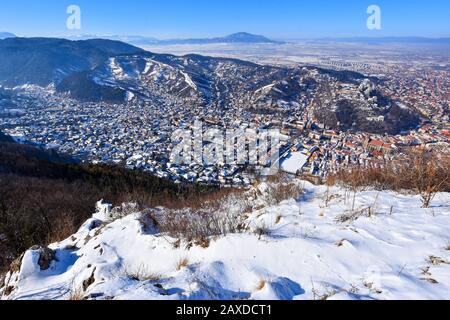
<point x="282" y="19"/>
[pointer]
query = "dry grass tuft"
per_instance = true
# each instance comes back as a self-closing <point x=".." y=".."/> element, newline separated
<point x="77" y="294"/>
<point x="182" y="263"/>
<point x="324" y="296"/>
<point x="436" y="261"/>
<point x="143" y="274"/>
<point x="202" y="242"/>
<point x="352" y="215"/>
<point x="261" y="285"/>
<point x="372" y="288"/>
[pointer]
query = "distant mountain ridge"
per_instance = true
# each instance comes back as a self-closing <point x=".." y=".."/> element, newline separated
<point x="132" y="39"/>
<point x="240" y="37"/>
<point x="5" y="35"/>
<point x="248" y="38"/>
<point x="42" y="61"/>
<point x="384" y="40"/>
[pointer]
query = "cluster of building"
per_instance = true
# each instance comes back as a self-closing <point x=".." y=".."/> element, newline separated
<point x="138" y="135"/>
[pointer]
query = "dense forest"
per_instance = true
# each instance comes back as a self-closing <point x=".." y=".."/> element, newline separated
<point x="45" y="197"/>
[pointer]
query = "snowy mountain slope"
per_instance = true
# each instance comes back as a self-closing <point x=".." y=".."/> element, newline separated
<point x="211" y="81"/>
<point x="142" y="74"/>
<point x="222" y="83"/>
<point x="45" y="61"/>
<point x="390" y="248"/>
<point x="114" y="72"/>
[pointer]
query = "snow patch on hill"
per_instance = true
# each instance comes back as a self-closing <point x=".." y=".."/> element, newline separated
<point x="315" y="247"/>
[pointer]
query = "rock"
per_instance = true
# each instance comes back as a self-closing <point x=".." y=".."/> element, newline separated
<point x="88" y="282"/>
<point x="46" y="256"/>
<point x="95" y="224"/>
<point x="8" y="290"/>
<point x="94" y="296"/>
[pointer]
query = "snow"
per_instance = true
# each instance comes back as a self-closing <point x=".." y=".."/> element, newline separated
<point x="403" y="106"/>
<point x="29" y="264"/>
<point x="103" y="211"/>
<point x="130" y="96"/>
<point x="265" y="89"/>
<point x="308" y="251"/>
<point x="18" y="138"/>
<point x="294" y="162"/>
<point x="189" y="81"/>
<point x="116" y="69"/>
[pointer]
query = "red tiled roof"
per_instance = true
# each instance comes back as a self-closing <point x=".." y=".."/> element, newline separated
<point x="381" y="144"/>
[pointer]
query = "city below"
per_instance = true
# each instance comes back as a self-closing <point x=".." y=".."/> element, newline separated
<point x="330" y="114"/>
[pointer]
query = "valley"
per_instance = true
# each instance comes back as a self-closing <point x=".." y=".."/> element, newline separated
<point x="122" y="104"/>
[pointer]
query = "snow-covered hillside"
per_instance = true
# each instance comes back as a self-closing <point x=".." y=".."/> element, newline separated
<point x="317" y="247"/>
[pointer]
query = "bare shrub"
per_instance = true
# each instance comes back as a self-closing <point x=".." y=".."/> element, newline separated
<point x="197" y="226"/>
<point x="282" y="187"/>
<point x="143" y="274"/>
<point x="431" y="176"/>
<point x="425" y="173"/>
<point x="287" y="191"/>
<point x="279" y="192"/>
<point x="212" y="199"/>
<point x="62" y="228"/>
